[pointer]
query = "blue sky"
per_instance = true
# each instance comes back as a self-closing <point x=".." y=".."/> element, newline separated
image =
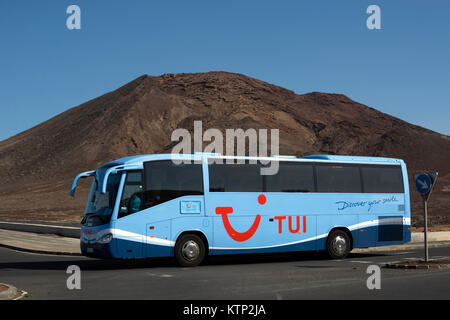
<point x="402" y="69"/>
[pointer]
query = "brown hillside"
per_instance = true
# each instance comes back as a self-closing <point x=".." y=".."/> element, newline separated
<point x="37" y="165"/>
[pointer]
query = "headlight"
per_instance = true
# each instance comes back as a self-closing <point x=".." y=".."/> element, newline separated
<point x="105" y="239"/>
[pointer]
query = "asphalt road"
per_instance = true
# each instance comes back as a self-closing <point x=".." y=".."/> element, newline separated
<point x="283" y="276"/>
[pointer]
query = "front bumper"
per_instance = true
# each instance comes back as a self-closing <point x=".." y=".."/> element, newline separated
<point x="96" y="250"/>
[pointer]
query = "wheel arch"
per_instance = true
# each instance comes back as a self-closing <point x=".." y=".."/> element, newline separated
<point x="199" y="234"/>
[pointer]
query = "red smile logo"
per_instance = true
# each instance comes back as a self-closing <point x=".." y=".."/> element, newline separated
<point x="240" y="236"/>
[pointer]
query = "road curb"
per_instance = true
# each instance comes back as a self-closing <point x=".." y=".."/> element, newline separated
<point x="58" y="253"/>
<point x="10" y="293"/>
<point x="406" y="246"/>
<point x="64" y="231"/>
<point x="395" y="265"/>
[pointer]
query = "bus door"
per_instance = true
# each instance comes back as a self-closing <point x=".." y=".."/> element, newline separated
<point x="128" y="228"/>
<point x="143" y="223"/>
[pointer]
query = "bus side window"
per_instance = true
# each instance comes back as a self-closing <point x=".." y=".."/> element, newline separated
<point x="291" y="177"/>
<point x="165" y="181"/>
<point x="338" y="178"/>
<point x="132" y="195"/>
<point x="235" y="178"/>
<point x="382" y="179"/>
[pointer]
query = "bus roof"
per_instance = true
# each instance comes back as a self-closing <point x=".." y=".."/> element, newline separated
<point x="352" y="158"/>
<point x="138" y="160"/>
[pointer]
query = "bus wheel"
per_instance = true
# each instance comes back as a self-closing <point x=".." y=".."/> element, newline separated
<point x="189" y="250"/>
<point x="338" y="244"/>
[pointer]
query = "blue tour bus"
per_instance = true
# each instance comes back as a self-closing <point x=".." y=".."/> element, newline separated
<point x="150" y="206"/>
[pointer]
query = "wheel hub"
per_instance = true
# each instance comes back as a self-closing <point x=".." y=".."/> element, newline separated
<point x="339" y="245"/>
<point x="190" y="250"/>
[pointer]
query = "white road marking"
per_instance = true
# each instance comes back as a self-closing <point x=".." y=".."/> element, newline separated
<point x="160" y="275"/>
<point x="400" y="253"/>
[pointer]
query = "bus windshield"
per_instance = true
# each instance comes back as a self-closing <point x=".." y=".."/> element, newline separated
<point x="100" y="206"/>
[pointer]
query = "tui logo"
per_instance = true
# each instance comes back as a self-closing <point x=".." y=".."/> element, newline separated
<point x="235" y="235"/>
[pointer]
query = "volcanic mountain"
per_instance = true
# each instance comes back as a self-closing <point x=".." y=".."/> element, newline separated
<point x="37" y="165"/>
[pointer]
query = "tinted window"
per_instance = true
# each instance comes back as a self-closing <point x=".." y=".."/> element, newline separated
<point x="338" y="178"/>
<point x="235" y="178"/>
<point x="100" y="206"/>
<point x="291" y="177"/>
<point x="382" y="179"/>
<point x="132" y="194"/>
<point x="165" y="181"/>
<point x="134" y="177"/>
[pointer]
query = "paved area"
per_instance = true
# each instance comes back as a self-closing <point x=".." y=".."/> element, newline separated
<point x="406" y="246"/>
<point x="39" y="243"/>
<point x="280" y="276"/>
<point x="431" y="236"/>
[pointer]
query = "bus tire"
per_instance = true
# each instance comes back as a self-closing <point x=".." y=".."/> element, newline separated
<point x="338" y="244"/>
<point x="189" y="250"/>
